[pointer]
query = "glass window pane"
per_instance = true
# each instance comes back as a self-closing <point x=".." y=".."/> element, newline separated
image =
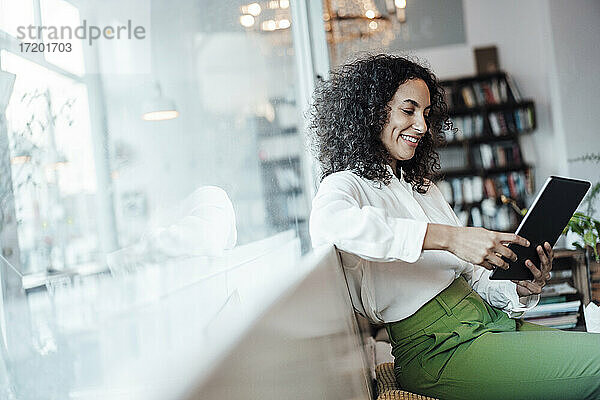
<point x="63" y="19"/>
<point x="52" y="168"/>
<point x="234" y="89"/>
<point x="154" y="196"/>
<point x="15" y="14"/>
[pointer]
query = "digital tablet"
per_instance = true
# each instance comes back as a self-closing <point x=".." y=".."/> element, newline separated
<point x="550" y="212"/>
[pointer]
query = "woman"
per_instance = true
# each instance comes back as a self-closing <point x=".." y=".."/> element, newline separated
<point x="409" y="263"/>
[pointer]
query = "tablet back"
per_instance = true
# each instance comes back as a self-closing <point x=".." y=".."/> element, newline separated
<point x="544" y="222"/>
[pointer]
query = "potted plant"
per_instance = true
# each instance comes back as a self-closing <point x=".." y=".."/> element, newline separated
<point x="583" y="224"/>
<point x="586" y="229"/>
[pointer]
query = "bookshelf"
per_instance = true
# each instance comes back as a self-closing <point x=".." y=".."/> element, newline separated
<point x="565" y="295"/>
<point x="482" y="158"/>
<point x="279" y="149"/>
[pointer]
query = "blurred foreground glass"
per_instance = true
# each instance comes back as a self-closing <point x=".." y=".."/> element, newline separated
<point x="131" y="236"/>
<point x="91" y="176"/>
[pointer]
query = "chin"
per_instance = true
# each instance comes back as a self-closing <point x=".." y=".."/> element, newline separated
<point x="406" y="156"/>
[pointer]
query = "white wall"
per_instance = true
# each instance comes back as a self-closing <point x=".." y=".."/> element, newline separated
<point x="520" y="30"/>
<point x="575" y="35"/>
<point x="550" y="48"/>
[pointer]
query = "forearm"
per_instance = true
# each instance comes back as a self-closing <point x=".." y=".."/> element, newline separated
<point x="438" y="236"/>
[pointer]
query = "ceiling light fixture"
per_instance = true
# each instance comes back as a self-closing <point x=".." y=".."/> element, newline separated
<point x="247" y="20"/>
<point x="159" y="108"/>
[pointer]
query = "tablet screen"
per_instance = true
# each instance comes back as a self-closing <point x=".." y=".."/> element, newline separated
<point x="544" y="222"/>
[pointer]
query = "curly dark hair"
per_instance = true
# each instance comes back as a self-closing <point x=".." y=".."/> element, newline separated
<point x="350" y="110"/>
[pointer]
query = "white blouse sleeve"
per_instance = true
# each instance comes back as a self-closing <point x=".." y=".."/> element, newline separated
<point x="369" y="232"/>
<point x="501" y="294"/>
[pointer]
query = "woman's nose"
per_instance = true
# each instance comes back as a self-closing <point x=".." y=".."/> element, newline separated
<point x="420" y="124"/>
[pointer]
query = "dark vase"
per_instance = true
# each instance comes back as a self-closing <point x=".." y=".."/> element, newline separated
<point x="594" y="273"/>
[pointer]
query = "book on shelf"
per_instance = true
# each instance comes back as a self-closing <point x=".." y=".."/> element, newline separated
<point x="553" y="299"/>
<point x="490" y="188"/>
<point x="557" y="289"/>
<point x="514" y="90"/>
<point x="473" y="189"/>
<point x="480" y="91"/>
<point x="501" y="154"/>
<point x="457" y="192"/>
<point x="488" y="94"/>
<point x="467" y="190"/>
<point x="475" y="199"/>
<point x="509" y="119"/>
<point x="559" y="322"/>
<point x="479" y="94"/>
<point x="468" y="126"/>
<point x="501" y="123"/>
<point x="502" y="90"/>
<point x="560" y="315"/>
<point x="494" y="124"/>
<point x="561" y="274"/>
<point x="550" y="309"/>
<point x="453" y="158"/>
<point x="468" y="96"/>
<point x="476" y="218"/>
<point x="515" y="121"/>
<point x="502" y="181"/>
<point x="463" y="216"/>
<point x="559" y="304"/>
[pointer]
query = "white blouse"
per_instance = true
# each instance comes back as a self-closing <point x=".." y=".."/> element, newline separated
<point x="380" y="231"/>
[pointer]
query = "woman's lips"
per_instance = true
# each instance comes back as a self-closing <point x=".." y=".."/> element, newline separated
<point x="412" y="141"/>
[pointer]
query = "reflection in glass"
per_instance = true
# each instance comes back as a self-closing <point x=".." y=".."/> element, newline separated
<point x="135" y="235"/>
<point x="15" y="13"/>
<point x="52" y="167"/>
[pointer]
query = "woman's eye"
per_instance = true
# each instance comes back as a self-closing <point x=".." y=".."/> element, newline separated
<point x="408" y="112"/>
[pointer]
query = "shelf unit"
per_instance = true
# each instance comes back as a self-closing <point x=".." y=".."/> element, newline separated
<point x="482" y="159"/>
<point x="279" y="148"/>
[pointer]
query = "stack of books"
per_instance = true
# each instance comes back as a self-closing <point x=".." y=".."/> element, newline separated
<point x="497" y="155"/>
<point x="477" y="93"/>
<point x="558" y="306"/>
<point x="516" y="121"/>
<point x="458" y="191"/>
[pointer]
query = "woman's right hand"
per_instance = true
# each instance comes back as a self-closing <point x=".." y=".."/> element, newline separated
<point x="484" y="247"/>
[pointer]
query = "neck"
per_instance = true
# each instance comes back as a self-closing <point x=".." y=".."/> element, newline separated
<point x="394" y="164"/>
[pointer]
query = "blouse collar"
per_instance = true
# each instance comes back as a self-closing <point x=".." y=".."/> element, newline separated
<point x="391" y="171"/>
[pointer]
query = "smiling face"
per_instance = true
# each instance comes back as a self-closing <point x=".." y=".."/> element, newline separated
<point x="410" y="107"/>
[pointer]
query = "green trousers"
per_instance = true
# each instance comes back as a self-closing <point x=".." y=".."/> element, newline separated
<point x="459" y="347"/>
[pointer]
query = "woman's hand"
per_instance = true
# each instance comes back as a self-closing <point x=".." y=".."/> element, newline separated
<point x="476" y="245"/>
<point x="540" y="275"/>
<point x="483" y="247"/>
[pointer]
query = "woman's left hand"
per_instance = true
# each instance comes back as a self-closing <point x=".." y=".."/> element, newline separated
<point x="540" y="276"/>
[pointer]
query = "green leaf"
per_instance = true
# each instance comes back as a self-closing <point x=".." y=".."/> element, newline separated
<point x="597" y="226"/>
<point x="590" y="239"/>
<point x="576" y="228"/>
<point x="577" y="245"/>
<point x="593" y="157"/>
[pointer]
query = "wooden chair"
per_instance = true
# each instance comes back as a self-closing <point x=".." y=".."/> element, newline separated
<point x="387" y="388"/>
